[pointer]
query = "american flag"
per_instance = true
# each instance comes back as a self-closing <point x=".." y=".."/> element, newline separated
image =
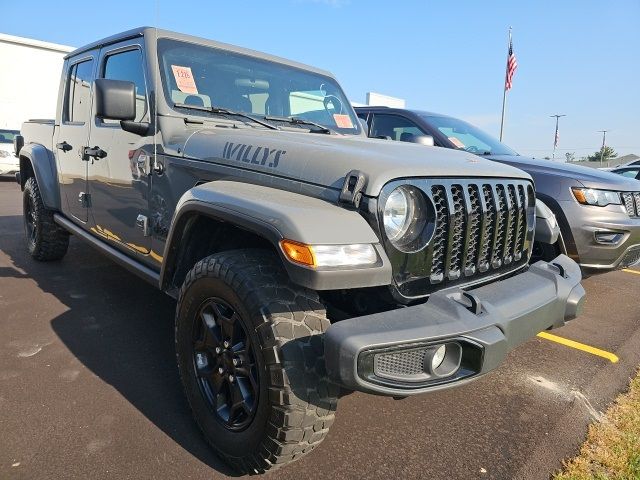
<point x="512" y="65"/>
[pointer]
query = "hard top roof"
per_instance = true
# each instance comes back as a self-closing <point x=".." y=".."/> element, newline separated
<point x="144" y="31"/>
<point x="400" y="110"/>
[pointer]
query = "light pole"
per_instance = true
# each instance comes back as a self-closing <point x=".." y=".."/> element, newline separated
<point x="555" y="139"/>
<point x="604" y="140"/>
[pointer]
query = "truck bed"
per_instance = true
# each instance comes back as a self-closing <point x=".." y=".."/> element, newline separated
<point x="38" y="131"/>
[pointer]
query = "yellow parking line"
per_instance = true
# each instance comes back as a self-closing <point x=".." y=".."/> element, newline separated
<point x="580" y="346"/>
<point x="631" y="271"/>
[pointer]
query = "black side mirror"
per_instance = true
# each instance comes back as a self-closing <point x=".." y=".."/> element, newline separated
<point x="115" y="99"/>
<point x="18" y="143"/>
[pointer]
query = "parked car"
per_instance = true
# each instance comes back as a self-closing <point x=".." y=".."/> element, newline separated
<point x="301" y="253"/>
<point x="598" y="212"/>
<point x="632" y="171"/>
<point x="9" y="164"/>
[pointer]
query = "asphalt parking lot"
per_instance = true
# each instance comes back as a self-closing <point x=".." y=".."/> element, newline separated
<point x="89" y="387"/>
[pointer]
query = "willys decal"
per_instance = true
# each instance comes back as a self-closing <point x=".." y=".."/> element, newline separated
<point x="241" y="152"/>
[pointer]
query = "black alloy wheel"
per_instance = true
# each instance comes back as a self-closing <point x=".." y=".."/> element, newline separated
<point x="225" y="364"/>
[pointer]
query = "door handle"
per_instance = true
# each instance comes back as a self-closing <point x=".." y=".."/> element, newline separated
<point x="93" y="152"/>
<point x="64" y="146"/>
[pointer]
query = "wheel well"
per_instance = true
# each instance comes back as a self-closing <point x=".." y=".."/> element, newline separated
<point x="200" y="237"/>
<point x="26" y="170"/>
<point x="565" y="228"/>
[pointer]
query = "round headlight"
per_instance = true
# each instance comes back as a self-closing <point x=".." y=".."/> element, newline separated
<point x="405" y="217"/>
<point x="398" y="212"/>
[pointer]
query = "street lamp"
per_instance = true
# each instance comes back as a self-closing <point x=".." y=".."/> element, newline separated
<point x="555" y="139"/>
<point x="604" y="139"/>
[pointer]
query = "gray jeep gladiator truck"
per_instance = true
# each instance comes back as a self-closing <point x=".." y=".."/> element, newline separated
<point x="306" y="259"/>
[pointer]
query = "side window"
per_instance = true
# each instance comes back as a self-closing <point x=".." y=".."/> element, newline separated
<point x="128" y="66"/>
<point x="630" y="173"/>
<point x="78" y="99"/>
<point x="394" y="126"/>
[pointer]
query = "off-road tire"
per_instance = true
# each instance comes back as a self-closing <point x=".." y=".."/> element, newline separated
<point x="297" y="403"/>
<point x="47" y="241"/>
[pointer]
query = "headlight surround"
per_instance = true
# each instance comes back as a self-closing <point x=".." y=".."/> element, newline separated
<point x="600" y="198"/>
<point x="405" y="219"/>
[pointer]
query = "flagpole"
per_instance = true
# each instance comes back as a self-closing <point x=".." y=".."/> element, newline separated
<point x="504" y="92"/>
<point x="555" y="138"/>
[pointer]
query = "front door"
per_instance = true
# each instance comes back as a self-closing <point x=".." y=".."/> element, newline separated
<point x="73" y="136"/>
<point x="120" y="182"/>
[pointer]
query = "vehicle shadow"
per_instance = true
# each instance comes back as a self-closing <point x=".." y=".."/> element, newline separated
<point x="120" y="328"/>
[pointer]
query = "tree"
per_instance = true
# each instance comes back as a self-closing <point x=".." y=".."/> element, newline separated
<point x="607" y="154"/>
<point x="571" y="156"/>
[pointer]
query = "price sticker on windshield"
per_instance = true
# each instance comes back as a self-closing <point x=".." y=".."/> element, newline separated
<point x="184" y="79"/>
<point x="342" y="121"/>
<point x="456" y="142"/>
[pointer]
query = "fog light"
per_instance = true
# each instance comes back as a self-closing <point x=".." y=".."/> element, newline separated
<point x="609" y="238"/>
<point x="443" y="360"/>
<point x="438" y="357"/>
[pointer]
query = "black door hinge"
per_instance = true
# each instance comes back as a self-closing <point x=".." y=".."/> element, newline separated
<point x="351" y="192"/>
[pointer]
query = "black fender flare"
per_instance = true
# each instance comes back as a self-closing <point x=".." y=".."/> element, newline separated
<point x="38" y="159"/>
<point x="275" y="214"/>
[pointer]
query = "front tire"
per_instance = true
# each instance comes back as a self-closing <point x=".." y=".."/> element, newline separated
<point x="250" y="354"/>
<point x="46" y="240"/>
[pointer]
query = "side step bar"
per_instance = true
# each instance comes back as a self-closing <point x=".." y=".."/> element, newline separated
<point x="120" y="258"/>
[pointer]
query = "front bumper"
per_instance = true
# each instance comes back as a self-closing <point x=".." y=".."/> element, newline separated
<point x="379" y="353"/>
<point x="587" y="222"/>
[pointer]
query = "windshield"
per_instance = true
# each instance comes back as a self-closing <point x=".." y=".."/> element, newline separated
<point x="467" y="137"/>
<point x="205" y="76"/>
<point x="7" y="136"/>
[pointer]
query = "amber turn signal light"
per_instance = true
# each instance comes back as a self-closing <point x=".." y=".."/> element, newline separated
<point x="298" y="252"/>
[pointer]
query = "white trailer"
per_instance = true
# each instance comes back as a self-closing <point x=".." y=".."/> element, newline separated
<point x="29" y="74"/>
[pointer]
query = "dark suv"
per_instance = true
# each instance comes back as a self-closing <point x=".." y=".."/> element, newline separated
<point x="598" y="212"/>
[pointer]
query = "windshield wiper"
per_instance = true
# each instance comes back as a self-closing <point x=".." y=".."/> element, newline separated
<point x="299" y="121"/>
<point x="224" y="111"/>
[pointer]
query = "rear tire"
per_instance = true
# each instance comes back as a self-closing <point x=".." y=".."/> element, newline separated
<point x="273" y="330"/>
<point x="46" y="240"/>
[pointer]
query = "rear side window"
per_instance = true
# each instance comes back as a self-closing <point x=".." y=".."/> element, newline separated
<point x="127" y="66"/>
<point x="630" y="173"/>
<point x="394" y="126"/>
<point x="78" y="101"/>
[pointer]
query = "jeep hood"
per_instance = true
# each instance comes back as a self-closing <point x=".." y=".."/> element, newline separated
<point x="588" y="177"/>
<point x="326" y="159"/>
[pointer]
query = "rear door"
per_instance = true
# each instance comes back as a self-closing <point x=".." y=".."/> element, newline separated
<point x="73" y="136"/>
<point x="120" y="182"/>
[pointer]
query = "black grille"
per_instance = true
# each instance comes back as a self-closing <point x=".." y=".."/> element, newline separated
<point x="632" y="203"/>
<point x="480" y="230"/>
<point x="439" y="241"/>
<point x="501" y="240"/>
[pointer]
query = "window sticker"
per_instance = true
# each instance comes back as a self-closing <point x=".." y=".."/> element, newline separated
<point x="184" y="79"/>
<point x="456" y="142"/>
<point x="342" y="121"/>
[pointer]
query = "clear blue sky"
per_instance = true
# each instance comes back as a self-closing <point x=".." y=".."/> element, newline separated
<point x="579" y="58"/>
